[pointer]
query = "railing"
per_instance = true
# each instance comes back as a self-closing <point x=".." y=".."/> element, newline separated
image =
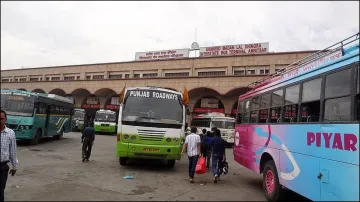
<point x="311" y="58"/>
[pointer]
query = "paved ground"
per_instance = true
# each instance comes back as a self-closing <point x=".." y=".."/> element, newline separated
<point x="53" y="171"/>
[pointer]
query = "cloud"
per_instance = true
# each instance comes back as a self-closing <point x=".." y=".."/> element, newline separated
<point x="37" y="34"/>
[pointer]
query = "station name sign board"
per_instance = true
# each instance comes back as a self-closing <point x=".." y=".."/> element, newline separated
<point x="230" y="50"/>
<point x="162" y="55"/>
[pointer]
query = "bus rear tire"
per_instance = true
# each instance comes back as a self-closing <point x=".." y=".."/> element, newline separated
<point x="271" y="185"/>
<point x="122" y="161"/>
<point x="170" y="163"/>
<point x="60" y="136"/>
<point x="36" y="139"/>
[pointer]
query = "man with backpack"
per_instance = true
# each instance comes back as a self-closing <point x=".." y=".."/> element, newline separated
<point x="218" y="154"/>
<point x="205" y="146"/>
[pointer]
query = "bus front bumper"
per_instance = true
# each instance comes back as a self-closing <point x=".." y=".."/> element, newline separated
<point x="25" y="134"/>
<point x="162" y="152"/>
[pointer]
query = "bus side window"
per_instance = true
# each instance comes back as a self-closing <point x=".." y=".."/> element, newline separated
<point x="358" y="93"/>
<point x="52" y="109"/>
<point x="239" y="112"/>
<point x="276" y="105"/>
<point x="337" y="96"/>
<point x="264" y="108"/>
<point x="291" y="103"/>
<point x="310" y="103"/>
<point x="255" y="104"/>
<point x="246" y="114"/>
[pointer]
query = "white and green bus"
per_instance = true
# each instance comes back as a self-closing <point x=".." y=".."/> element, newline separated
<point x="151" y="125"/>
<point x="105" y="121"/>
<point x="78" y="120"/>
<point x="33" y="116"/>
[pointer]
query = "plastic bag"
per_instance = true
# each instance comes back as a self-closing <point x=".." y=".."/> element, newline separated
<point x="200" y="166"/>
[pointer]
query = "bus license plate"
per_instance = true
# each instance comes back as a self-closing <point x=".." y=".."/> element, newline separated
<point x="151" y="150"/>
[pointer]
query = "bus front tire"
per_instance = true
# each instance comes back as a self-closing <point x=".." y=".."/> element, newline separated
<point x="271" y="184"/>
<point x="122" y="161"/>
<point x="36" y="139"/>
<point x="170" y="163"/>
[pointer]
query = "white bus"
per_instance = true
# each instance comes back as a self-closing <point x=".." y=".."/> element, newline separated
<point x="225" y="124"/>
<point x="151" y="124"/>
<point x="105" y="121"/>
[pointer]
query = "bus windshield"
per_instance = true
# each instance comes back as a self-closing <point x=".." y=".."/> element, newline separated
<point x="223" y="124"/>
<point x="105" y="117"/>
<point x="152" y="106"/>
<point x="79" y="115"/>
<point x="18" y="104"/>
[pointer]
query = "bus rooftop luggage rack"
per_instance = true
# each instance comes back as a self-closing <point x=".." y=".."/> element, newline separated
<point x="311" y="58"/>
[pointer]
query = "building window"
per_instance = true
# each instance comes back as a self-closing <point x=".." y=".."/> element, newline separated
<point x="115" y="76"/>
<point x="88" y="77"/>
<point x="239" y="72"/>
<point x="127" y="76"/>
<point x="69" y="78"/>
<point x="77" y="77"/>
<point x="55" y="78"/>
<point x="264" y="70"/>
<point x="212" y="73"/>
<point x="5" y="80"/>
<point x="22" y="79"/>
<point x="34" y="79"/>
<point x="250" y="71"/>
<point x="136" y="75"/>
<point x="179" y="74"/>
<point x="47" y="78"/>
<point x="98" y="76"/>
<point x="149" y="75"/>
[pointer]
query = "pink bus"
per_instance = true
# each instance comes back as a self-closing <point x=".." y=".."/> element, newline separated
<point x="299" y="128"/>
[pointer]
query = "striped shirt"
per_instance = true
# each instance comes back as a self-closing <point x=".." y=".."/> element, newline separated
<point x="192" y="142"/>
<point x="8" y="147"/>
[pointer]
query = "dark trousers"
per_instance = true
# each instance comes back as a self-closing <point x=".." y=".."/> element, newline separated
<point x="4" y="171"/>
<point x="208" y="157"/>
<point x="192" y="165"/>
<point x="217" y="160"/>
<point x="86" y="148"/>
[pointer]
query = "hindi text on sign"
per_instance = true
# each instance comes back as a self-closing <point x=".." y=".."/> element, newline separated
<point x="160" y="55"/>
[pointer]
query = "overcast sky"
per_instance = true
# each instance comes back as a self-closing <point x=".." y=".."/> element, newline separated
<point x="35" y="34"/>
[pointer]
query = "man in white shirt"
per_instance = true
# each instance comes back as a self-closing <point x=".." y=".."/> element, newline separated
<point x="192" y="146"/>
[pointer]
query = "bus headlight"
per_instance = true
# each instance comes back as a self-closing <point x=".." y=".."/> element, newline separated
<point x="176" y="139"/>
<point x="25" y="127"/>
<point x="168" y="139"/>
<point x="126" y="137"/>
<point x="133" y="138"/>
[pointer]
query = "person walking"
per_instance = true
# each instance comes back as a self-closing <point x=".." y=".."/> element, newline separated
<point x="8" y="153"/>
<point x="87" y="139"/>
<point x="204" y="144"/>
<point x="192" y="146"/>
<point x="209" y="150"/>
<point x="218" y="154"/>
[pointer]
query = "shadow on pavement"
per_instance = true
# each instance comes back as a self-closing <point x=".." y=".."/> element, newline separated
<point x="288" y="194"/>
<point x="149" y="165"/>
<point x="46" y="140"/>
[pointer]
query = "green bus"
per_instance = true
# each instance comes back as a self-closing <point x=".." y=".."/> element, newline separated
<point x="33" y="116"/>
<point x="78" y="120"/>
<point x="105" y="121"/>
<point x="151" y="125"/>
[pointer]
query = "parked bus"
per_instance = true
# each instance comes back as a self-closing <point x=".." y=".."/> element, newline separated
<point x="105" y="121"/>
<point x="225" y="124"/>
<point x="78" y="120"/>
<point x="33" y="116"/>
<point x="151" y="124"/>
<point x="299" y="128"/>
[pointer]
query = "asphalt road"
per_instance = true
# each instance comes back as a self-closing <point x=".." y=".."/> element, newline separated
<point x="53" y="171"/>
